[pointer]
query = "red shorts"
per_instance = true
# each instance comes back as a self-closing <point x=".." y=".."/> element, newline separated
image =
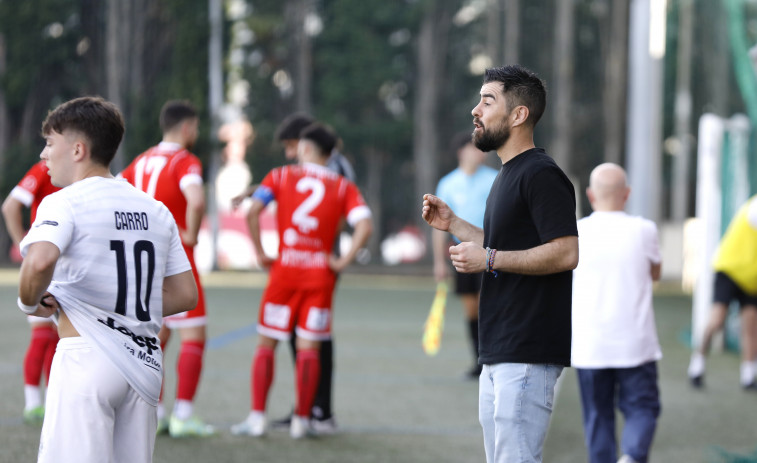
<point x="196" y="316"/>
<point x="306" y="311"/>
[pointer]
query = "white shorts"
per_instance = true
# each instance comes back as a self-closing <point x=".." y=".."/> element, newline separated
<point x="92" y="414"/>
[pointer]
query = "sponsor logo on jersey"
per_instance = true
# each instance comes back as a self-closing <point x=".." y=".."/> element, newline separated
<point x="47" y="222"/>
<point x="151" y="344"/>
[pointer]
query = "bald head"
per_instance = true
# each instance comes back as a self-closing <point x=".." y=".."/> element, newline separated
<point x="608" y="190"/>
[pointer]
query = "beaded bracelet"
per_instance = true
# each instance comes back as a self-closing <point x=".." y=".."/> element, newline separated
<point x="490" y="253"/>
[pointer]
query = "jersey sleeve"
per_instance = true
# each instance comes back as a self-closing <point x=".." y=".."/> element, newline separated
<point x="30" y="185"/>
<point x="188" y="171"/>
<point x="552" y="202"/>
<point x="268" y="188"/>
<point x="355" y="207"/>
<point x="177" y="261"/>
<point x="54" y="223"/>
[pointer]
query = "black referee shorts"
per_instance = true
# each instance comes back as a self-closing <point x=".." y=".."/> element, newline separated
<point x="727" y="290"/>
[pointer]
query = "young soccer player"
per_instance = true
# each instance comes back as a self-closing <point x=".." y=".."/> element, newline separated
<point x="170" y="173"/>
<point x="29" y="192"/>
<point x="311" y="202"/>
<point x="106" y="260"/>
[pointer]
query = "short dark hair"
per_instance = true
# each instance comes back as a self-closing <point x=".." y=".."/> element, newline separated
<point x="459" y="141"/>
<point x="292" y="125"/>
<point x="321" y="135"/>
<point x="174" y="112"/>
<point x="523" y="86"/>
<point x="98" y="120"/>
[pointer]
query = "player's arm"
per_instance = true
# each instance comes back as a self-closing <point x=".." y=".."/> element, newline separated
<point x="439" y="247"/>
<point x="14" y="221"/>
<point x="439" y="215"/>
<point x="253" y="223"/>
<point x="656" y="271"/>
<point x="179" y="293"/>
<point x="362" y="231"/>
<point x="195" y="196"/>
<point x="236" y="201"/>
<point x="557" y="255"/>
<point x="35" y="276"/>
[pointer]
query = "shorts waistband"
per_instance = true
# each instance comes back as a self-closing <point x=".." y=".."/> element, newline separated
<point x="76" y="342"/>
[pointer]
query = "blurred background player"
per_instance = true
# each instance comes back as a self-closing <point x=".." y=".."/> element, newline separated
<point x="615" y="347"/>
<point x="170" y="173"/>
<point x="735" y="279"/>
<point x="288" y="134"/>
<point x="29" y="192"/>
<point x="312" y="201"/>
<point x="465" y="190"/>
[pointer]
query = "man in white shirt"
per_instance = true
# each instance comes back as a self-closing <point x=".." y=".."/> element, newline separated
<point x="615" y="347"/>
<point x="106" y="260"/>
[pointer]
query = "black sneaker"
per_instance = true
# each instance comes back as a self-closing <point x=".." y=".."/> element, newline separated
<point x="697" y="382"/>
<point x="751" y="387"/>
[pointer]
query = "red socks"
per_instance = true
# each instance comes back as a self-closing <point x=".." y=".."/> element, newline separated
<point x="262" y="377"/>
<point x="308" y="373"/>
<point x="189" y="368"/>
<point x="39" y="354"/>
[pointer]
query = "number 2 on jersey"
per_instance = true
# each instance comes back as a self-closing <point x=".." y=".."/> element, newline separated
<point x="141" y="306"/>
<point x="301" y="216"/>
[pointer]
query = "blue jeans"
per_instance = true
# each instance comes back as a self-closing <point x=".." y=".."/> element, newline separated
<point x="514" y="408"/>
<point x="637" y="396"/>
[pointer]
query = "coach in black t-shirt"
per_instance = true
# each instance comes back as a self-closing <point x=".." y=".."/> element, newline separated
<point x="528" y="248"/>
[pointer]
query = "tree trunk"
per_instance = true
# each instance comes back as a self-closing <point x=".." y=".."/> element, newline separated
<point x="432" y="45"/>
<point x="683" y="106"/>
<point x="494" y="31"/>
<point x="562" y="84"/>
<point x="116" y="65"/>
<point x="511" y="53"/>
<point x="614" y="89"/>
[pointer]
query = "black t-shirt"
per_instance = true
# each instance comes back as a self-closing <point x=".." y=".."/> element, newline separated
<point x="523" y="318"/>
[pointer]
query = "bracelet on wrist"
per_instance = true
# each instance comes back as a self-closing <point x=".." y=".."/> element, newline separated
<point x="27" y="309"/>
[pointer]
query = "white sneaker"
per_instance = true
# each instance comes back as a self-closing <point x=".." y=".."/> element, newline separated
<point x="327" y="426"/>
<point x="300" y="427"/>
<point x="626" y="459"/>
<point x="255" y="425"/>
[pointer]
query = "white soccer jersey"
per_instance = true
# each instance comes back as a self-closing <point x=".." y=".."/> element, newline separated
<point x="117" y="244"/>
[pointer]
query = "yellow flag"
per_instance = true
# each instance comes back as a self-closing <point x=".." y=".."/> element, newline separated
<point x="432" y="333"/>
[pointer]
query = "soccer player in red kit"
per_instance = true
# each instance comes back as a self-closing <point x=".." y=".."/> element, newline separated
<point x="312" y="200"/>
<point x="29" y="192"/>
<point x="170" y="173"/>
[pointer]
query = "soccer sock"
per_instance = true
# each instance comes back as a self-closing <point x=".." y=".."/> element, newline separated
<point x="322" y="402"/>
<point x="308" y="372"/>
<point x="34" y="360"/>
<point x="182" y="409"/>
<point x="696" y="365"/>
<point x="32" y="398"/>
<point x="188" y="368"/>
<point x="473" y="332"/>
<point x="49" y="354"/>
<point x="262" y="377"/>
<point x="747" y="373"/>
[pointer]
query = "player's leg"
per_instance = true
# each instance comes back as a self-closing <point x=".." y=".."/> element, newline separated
<point x="468" y="286"/>
<point x="38" y="358"/>
<point x="597" y="388"/>
<point x="639" y="401"/>
<point x="275" y="323"/>
<point x="191" y="326"/>
<point x="79" y="422"/>
<point x="748" y="346"/>
<point x="313" y="326"/>
<point x="322" y="415"/>
<point x="724" y="292"/>
<point x="164" y="335"/>
<point x="134" y="430"/>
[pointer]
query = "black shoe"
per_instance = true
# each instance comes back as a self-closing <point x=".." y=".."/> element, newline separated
<point x="473" y="373"/>
<point x="697" y="382"/>
<point x="751" y="387"/>
<point x="282" y="423"/>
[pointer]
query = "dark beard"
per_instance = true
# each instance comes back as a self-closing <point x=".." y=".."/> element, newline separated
<point x="489" y="140"/>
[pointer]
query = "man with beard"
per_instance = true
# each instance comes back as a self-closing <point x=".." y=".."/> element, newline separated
<point x="170" y="173"/>
<point x="528" y="248"/>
